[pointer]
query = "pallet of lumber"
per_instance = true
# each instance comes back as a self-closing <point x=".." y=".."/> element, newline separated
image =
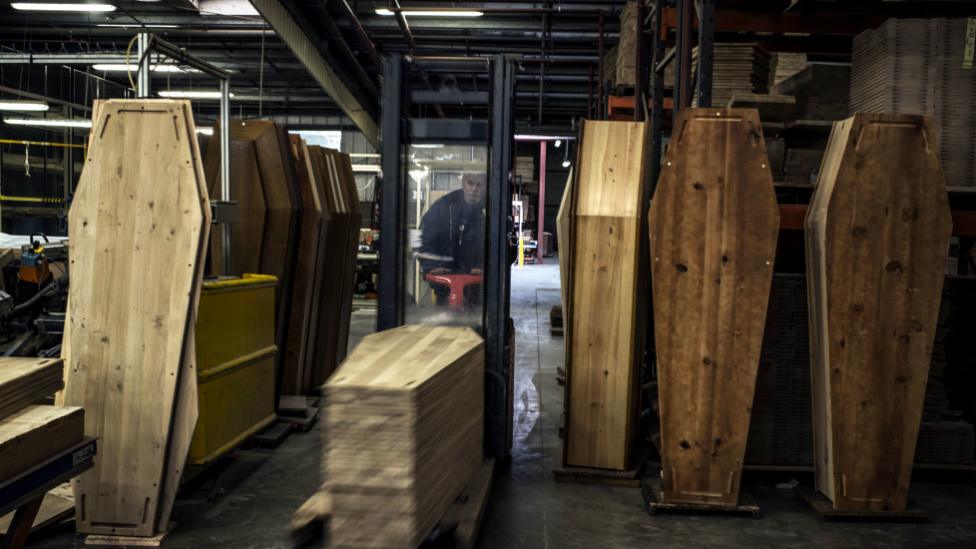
<point x="403" y="431"/>
<point x="607" y="312"/>
<point x="264" y="183"/>
<point x="877" y="234"/>
<point x="714" y="224"/>
<point x="35" y="433"/>
<point x="25" y="381"/>
<point x="919" y="66"/>
<point x="139" y="225"/>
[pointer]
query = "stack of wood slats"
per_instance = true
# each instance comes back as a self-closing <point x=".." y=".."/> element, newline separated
<point x="713" y="230"/>
<point x="877" y="232"/>
<point x="783" y="65"/>
<point x="30" y="433"/>
<point x="625" y="55"/>
<point x="403" y="423"/>
<point x="26" y="381"/>
<point x="525" y="169"/>
<point x="737" y="68"/>
<point x="139" y="225"/>
<point x="918" y="66"/>
<point x="604" y="292"/>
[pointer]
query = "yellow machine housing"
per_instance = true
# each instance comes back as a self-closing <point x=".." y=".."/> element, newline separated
<point x="235" y="363"/>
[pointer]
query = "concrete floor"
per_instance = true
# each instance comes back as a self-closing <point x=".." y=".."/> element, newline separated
<point x="250" y="503"/>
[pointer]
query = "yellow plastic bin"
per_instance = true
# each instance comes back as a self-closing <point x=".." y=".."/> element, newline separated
<point x="235" y="363"/>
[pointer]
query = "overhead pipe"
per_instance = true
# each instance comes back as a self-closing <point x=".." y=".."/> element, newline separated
<point x="361" y="32"/>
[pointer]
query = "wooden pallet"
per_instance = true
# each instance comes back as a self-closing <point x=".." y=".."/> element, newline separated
<point x="605" y="477"/>
<point x="129" y="541"/>
<point x="462" y="521"/>
<point x="273" y="436"/>
<point x="826" y="511"/>
<point x="653" y="496"/>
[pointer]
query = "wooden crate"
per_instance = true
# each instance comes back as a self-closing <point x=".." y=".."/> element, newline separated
<point x="714" y="223"/>
<point x="877" y="233"/>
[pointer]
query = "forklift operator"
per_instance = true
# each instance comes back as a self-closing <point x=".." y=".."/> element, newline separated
<point x="453" y="233"/>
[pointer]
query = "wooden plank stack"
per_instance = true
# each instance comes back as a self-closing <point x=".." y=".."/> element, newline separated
<point x="714" y="223"/>
<point x="30" y="433"/>
<point x="918" y="66"/>
<point x="139" y="226"/>
<point x="403" y="429"/>
<point x="625" y="53"/>
<point x="26" y="381"/>
<point x="263" y="180"/>
<point x="877" y="233"/>
<point x="606" y="316"/>
<point x="737" y="68"/>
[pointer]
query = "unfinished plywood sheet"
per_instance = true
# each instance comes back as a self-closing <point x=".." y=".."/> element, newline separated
<point x="607" y="320"/>
<point x="137" y="225"/>
<point x="877" y="233"/>
<point x="714" y="223"/>
<point x="36" y="433"/>
<point x="404" y="423"/>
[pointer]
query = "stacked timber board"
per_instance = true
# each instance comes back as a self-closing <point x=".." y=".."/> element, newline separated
<point x="325" y="269"/>
<point x="737" y="68"/>
<point x="922" y="66"/>
<point x="403" y="427"/>
<point x="625" y="52"/>
<point x="714" y="223"/>
<point x="263" y="182"/>
<point x="29" y="433"/>
<point x="606" y="313"/>
<point x="877" y="232"/>
<point x="139" y="226"/>
<point x="24" y="381"/>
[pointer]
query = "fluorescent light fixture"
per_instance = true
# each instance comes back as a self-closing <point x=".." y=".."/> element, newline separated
<point x="427" y="145"/>
<point x="191" y="94"/>
<point x="135" y="25"/>
<point x="122" y="67"/>
<point x="50" y="6"/>
<point x="204" y="130"/>
<point x="432" y="13"/>
<point x="364" y="155"/>
<point x="23" y="106"/>
<point x="565" y="163"/>
<point x="533" y="137"/>
<point x="369" y="168"/>
<point x="49" y="122"/>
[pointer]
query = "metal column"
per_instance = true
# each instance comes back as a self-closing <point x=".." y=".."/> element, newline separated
<point x="706" y="53"/>
<point x="390" y="310"/>
<point x="682" y="75"/>
<point x="541" y="214"/>
<point x="142" y="76"/>
<point x="497" y="261"/>
<point x="657" y="95"/>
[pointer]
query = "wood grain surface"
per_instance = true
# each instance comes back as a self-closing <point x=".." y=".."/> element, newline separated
<point x="138" y="222"/>
<point x="607" y="320"/>
<point x="714" y="223"/>
<point x="877" y="234"/>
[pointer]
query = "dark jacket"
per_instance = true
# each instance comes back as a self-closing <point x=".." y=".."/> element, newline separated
<point x="453" y="228"/>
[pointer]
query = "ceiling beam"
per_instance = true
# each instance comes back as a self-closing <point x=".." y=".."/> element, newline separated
<point x="303" y="46"/>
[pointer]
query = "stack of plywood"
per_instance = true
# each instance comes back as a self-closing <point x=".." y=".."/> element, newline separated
<point x="877" y="232"/>
<point x="525" y="169"/>
<point x="783" y="65"/>
<point x="25" y="381"/>
<point x="139" y="226"/>
<point x="737" y="68"/>
<point x="403" y="427"/>
<point x="264" y="184"/>
<point x="605" y="281"/>
<point x="922" y="66"/>
<point x="714" y="223"/>
<point x="29" y="434"/>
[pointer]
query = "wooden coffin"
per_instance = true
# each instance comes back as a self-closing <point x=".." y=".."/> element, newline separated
<point x="713" y="229"/>
<point x="606" y="317"/>
<point x="139" y="224"/>
<point x="877" y="234"/>
<point x="403" y="423"/>
<point x="264" y="183"/>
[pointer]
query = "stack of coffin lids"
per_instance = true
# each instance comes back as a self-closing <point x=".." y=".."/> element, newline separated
<point x="918" y="66"/>
<point x="25" y="381"/>
<point x="31" y="433"/>
<point x="403" y="424"/>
